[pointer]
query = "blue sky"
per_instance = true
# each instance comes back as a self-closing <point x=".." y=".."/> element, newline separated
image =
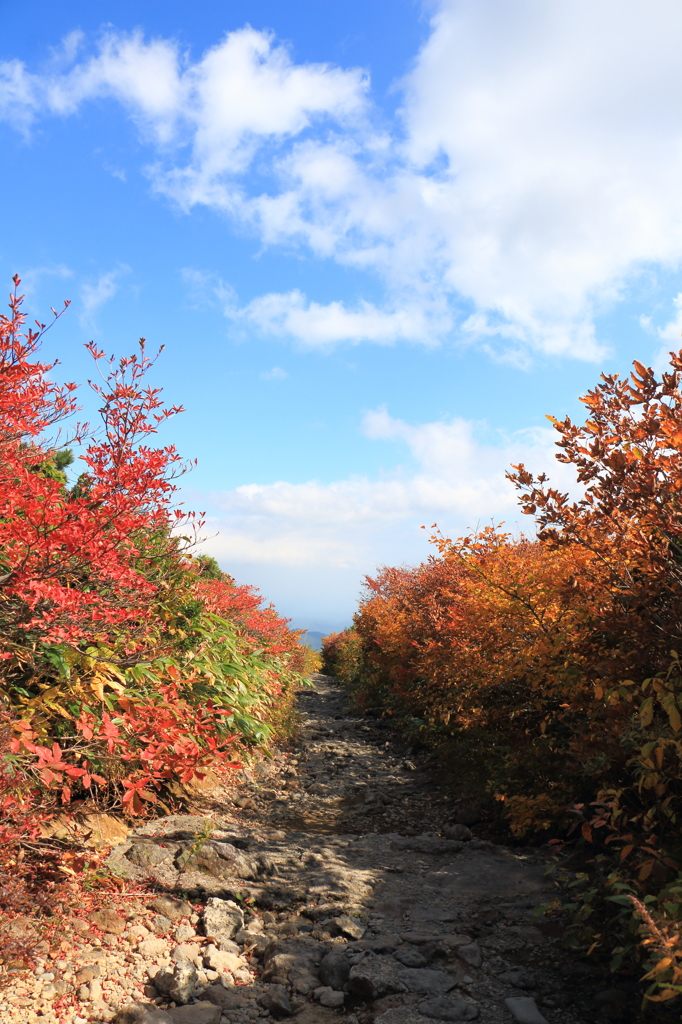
<point x="380" y="241"/>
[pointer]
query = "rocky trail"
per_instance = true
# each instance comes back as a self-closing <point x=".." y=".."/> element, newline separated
<point x="333" y="884"/>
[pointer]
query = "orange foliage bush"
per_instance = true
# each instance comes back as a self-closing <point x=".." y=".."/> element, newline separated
<point x="546" y="671"/>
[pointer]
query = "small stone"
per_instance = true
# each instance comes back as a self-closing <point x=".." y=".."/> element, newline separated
<point x="184" y="932"/>
<point x="86" y="974"/>
<point x="108" y="921"/>
<point x="221" y="960"/>
<point x="326" y="996"/>
<point x="276" y="1001"/>
<point x="160" y="924"/>
<point x="459" y="832"/>
<point x="95" y="990"/>
<point x="171" y="907"/>
<point x="222" y="920"/>
<point x="470" y="954"/>
<point x="152" y="947"/>
<point x="352" y="927"/>
<point x="77" y="924"/>
<point x="179" y="984"/>
<point x="187" y="951"/>
<point x="524" y="1010"/>
<point x="227" y="999"/>
<point x="334" y="970"/>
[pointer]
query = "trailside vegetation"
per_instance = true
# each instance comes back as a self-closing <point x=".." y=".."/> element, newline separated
<point x="547" y="672"/>
<point x="127" y="663"/>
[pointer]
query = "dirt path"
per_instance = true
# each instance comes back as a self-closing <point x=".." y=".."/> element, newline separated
<point x="331" y="894"/>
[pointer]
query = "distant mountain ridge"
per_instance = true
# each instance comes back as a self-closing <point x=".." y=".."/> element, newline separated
<point x="313" y="639"/>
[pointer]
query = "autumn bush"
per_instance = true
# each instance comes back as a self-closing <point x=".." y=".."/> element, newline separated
<point x="546" y="671"/>
<point x="126" y="661"/>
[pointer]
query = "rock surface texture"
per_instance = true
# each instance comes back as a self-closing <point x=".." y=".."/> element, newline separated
<point x="333" y="884"/>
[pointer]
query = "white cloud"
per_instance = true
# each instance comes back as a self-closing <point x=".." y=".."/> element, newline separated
<point x="353" y="524"/>
<point x="95" y="294"/>
<point x="533" y="170"/>
<point x="315" y="325"/>
<point x="672" y="331"/>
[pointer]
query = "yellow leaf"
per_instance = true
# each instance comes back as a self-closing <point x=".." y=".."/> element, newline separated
<point x="646" y="711"/>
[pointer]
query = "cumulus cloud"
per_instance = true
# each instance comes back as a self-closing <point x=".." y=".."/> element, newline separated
<point x="316" y="325"/>
<point x="533" y="169"/>
<point x="454" y="476"/>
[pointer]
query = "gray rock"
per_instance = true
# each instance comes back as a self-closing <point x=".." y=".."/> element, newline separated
<point x="187" y="951"/>
<point x="470" y="954"/>
<point x="426" y="982"/>
<point x="184" y="932"/>
<point x="199" y="1013"/>
<point x="225" y="998"/>
<point x="152" y="947"/>
<point x="148" y="855"/>
<point x="170" y="907"/>
<point x="294" y="962"/>
<point x="524" y="1010"/>
<point x="276" y="1001"/>
<point x="410" y="958"/>
<point x="444" y="1008"/>
<point x="326" y="996"/>
<point x="160" y="924"/>
<point x="222" y="960"/>
<point x="351" y="927"/>
<point x="179" y="984"/>
<point x="376" y="976"/>
<point x="334" y="970"/>
<point x="222" y="920"/>
<point x="221" y="860"/>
